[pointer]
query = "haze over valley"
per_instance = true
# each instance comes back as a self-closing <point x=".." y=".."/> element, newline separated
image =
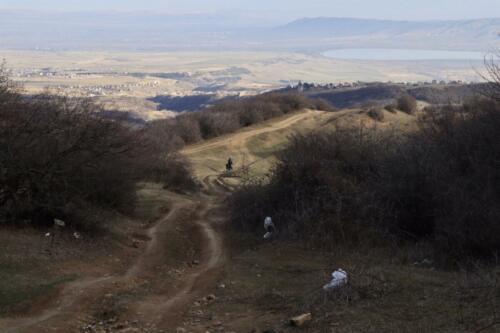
<point x="129" y="60"/>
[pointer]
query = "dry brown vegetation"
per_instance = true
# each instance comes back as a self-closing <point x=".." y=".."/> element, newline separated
<point x="376" y="114"/>
<point x="229" y="116"/>
<point x="391" y="108"/>
<point x="407" y="104"/>
<point x="395" y="285"/>
<point x="437" y="185"/>
<point x="61" y="159"/>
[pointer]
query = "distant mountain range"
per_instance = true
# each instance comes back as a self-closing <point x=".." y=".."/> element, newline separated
<point x="477" y="34"/>
<point x="143" y="31"/>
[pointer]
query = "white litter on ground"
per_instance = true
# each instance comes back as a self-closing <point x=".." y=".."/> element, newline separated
<point x="59" y="223"/>
<point x="339" y="279"/>
<point x="268" y="235"/>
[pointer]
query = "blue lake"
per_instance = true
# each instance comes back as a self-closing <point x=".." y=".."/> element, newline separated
<point x="403" y="54"/>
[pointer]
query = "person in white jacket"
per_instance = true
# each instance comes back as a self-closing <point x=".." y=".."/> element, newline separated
<point x="339" y="279"/>
<point x="270" y="228"/>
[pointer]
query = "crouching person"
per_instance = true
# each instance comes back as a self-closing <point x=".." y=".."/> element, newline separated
<point x="269" y="227"/>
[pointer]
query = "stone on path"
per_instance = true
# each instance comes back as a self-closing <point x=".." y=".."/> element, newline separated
<point x="301" y="320"/>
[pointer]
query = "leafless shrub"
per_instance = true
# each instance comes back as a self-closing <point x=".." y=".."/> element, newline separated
<point x="315" y="191"/>
<point x="492" y="88"/>
<point x="439" y="184"/>
<point x="188" y="129"/>
<point x="322" y="105"/>
<point x="59" y="151"/>
<point x="376" y="114"/>
<point x="59" y="154"/>
<point x="407" y="104"/>
<point x="391" y="108"/>
<point x="217" y="123"/>
<point x="229" y="116"/>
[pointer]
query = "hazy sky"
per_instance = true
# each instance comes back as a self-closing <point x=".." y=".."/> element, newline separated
<point x="284" y="9"/>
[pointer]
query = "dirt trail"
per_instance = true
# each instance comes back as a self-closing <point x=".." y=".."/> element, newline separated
<point x="166" y="311"/>
<point x="163" y="310"/>
<point x="78" y="292"/>
<point x="240" y="138"/>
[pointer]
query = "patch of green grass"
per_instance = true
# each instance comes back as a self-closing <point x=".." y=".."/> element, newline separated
<point x="383" y="295"/>
<point x="22" y="283"/>
<point x="152" y="201"/>
<point x="26" y="272"/>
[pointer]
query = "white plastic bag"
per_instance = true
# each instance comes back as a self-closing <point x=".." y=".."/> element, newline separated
<point x="268" y="235"/>
<point x="339" y="279"/>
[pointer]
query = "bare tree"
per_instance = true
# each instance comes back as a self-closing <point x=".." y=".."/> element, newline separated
<point x="408" y="104"/>
<point x="492" y="76"/>
<point x="60" y="155"/>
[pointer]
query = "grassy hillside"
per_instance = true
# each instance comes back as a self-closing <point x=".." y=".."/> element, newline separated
<point x="387" y="93"/>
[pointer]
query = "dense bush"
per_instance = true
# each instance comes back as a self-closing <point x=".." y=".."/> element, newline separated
<point x="440" y="184"/>
<point x="464" y="176"/>
<point x="407" y="104"/>
<point x="316" y="191"/>
<point x="59" y="156"/>
<point x="160" y="162"/>
<point x="376" y="114"/>
<point x="391" y="108"/>
<point x="217" y="123"/>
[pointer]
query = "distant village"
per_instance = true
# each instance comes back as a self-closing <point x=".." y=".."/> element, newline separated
<point x="64" y="82"/>
<point x="305" y="86"/>
<point x="81" y="90"/>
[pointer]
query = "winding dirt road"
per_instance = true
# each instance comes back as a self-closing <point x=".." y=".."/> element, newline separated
<point x="155" y="310"/>
<point x="160" y="310"/>
<point x="238" y="140"/>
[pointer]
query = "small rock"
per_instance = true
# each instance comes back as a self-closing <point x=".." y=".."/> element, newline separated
<point x="222" y="286"/>
<point x="195" y="262"/>
<point x="211" y="297"/>
<point x="301" y="320"/>
<point x="180" y="330"/>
